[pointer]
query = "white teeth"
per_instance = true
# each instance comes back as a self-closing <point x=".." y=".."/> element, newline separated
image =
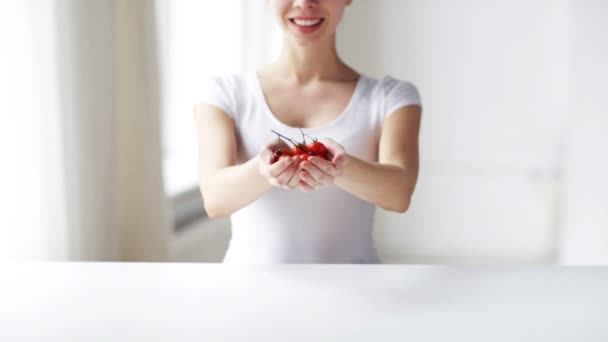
<point x="306" y="22"/>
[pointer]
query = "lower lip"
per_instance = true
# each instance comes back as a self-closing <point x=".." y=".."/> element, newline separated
<point x="307" y="29"/>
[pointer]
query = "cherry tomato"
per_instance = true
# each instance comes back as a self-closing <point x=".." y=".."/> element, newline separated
<point x="281" y="153"/>
<point x="298" y="150"/>
<point x="301" y="149"/>
<point x="318" y="149"/>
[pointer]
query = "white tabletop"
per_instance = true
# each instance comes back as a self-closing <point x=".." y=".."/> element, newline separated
<point x="213" y="302"/>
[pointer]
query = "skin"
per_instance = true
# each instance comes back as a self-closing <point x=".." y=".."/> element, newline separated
<point x="310" y="69"/>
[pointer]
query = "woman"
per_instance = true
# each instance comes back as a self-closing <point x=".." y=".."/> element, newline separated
<point x="314" y="211"/>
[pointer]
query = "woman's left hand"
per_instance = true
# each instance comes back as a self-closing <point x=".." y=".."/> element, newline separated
<point x="317" y="172"/>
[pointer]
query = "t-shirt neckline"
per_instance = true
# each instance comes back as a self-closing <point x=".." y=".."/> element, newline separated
<point x="262" y="97"/>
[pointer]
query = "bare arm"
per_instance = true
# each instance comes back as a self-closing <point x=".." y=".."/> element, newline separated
<point x="225" y="185"/>
<point x="389" y="183"/>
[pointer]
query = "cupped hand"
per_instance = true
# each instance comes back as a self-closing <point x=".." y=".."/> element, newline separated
<point x="282" y="173"/>
<point x="316" y="172"/>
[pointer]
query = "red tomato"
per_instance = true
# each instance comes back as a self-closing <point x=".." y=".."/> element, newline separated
<point x="298" y="150"/>
<point x="281" y="153"/>
<point x="318" y="149"/>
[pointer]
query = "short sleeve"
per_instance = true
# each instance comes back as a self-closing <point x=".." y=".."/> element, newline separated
<point x="397" y="94"/>
<point x="217" y="91"/>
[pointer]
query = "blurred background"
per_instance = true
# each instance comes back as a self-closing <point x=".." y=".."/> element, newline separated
<point x="99" y="147"/>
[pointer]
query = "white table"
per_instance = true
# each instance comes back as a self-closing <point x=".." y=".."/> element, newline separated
<point x="66" y="302"/>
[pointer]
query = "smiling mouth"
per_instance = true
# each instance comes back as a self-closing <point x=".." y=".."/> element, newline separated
<point x="307" y="22"/>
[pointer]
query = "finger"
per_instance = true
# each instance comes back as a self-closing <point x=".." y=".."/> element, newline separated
<point x="333" y="148"/>
<point x="295" y="179"/>
<point x="308" y="179"/>
<point x="310" y="183"/>
<point x="325" y="166"/>
<point x="331" y="145"/>
<point x="286" y="175"/>
<point x="317" y="175"/>
<point x="266" y="156"/>
<point x="331" y="167"/>
<point x="279" y="167"/>
<point x="339" y="161"/>
<point x="302" y="186"/>
<point x="314" y="171"/>
<point x="267" y="151"/>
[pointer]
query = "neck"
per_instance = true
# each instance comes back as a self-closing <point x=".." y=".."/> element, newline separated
<point x="318" y="62"/>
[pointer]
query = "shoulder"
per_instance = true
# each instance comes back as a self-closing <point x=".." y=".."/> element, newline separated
<point x="391" y="93"/>
<point x="221" y="90"/>
<point x="226" y="82"/>
<point x="399" y="93"/>
<point x="392" y="84"/>
<point x="389" y="85"/>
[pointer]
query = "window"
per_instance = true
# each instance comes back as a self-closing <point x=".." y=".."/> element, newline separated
<point x="199" y="39"/>
<point x="31" y="223"/>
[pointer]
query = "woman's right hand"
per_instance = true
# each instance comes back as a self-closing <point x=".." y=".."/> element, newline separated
<point x="284" y="172"/>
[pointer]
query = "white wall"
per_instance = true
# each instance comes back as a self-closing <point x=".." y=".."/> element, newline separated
<point x="585" y="217"/>
<point x="492" y="78"/>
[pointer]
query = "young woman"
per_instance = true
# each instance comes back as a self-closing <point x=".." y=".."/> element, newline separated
<point x="315" y="210"/>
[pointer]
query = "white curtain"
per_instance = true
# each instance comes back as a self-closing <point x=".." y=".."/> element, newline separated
<point x="84" y="178"/>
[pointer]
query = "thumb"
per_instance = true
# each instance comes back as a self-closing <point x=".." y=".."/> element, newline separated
<point x="340" y="161"/>
<point x="266" y="156"/>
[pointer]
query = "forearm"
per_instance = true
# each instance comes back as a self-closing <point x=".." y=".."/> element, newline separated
<point x="232" y="188"/>
<point x="387" y="186"/>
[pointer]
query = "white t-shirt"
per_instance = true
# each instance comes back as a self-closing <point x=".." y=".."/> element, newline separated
<point x="329" y="225"/>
